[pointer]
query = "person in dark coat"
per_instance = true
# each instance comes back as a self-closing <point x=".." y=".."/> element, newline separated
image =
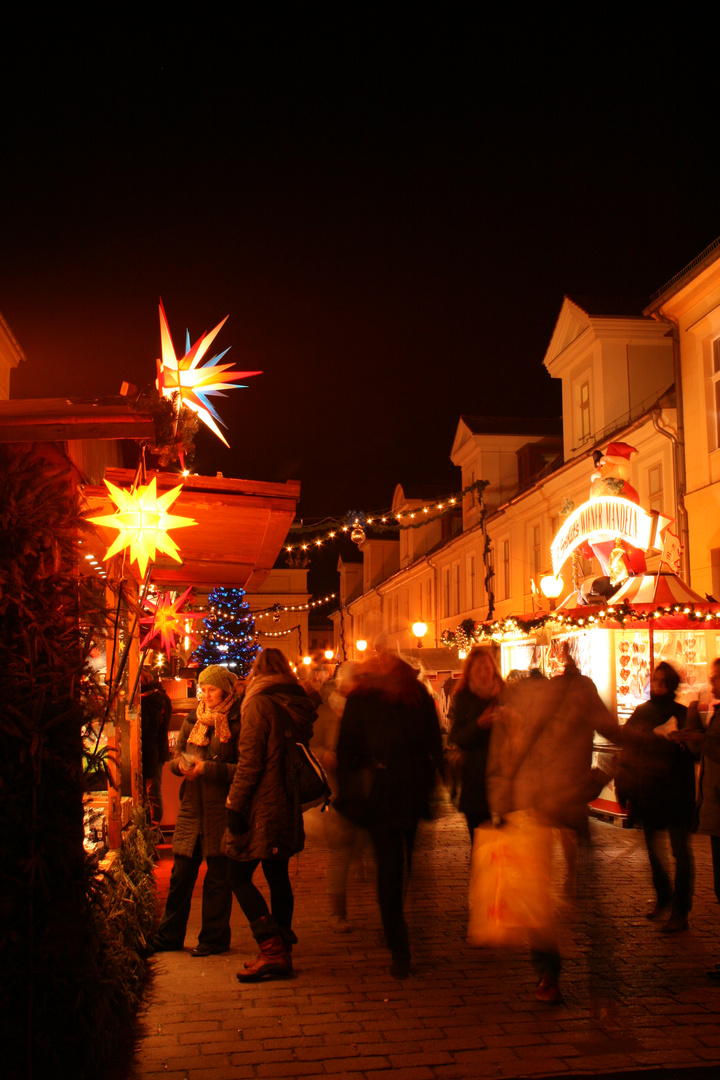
<point x="155" y="713"/>
<point x="705" y="740"/>
<point x="388" y="753"/>
<point x="205" y="756"/>
<point x="479" y="691"/>
<point x="263" y="826"/>
<point x="656" y="783"/>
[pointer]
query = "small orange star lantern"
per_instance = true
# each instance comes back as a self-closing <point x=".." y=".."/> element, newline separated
<point x="167" y="620"/>
<point x="195" y="385"/>
<point x="142" y="519"/>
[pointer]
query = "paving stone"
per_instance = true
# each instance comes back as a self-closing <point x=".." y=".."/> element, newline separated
<point x="467" y="1014"/>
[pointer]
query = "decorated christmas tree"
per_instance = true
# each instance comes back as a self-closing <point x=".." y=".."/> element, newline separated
<point x="228" y="633"/>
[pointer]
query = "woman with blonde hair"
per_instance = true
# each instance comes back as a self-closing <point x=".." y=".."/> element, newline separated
<point x="261" y="819"/>
<point x="479" y="691"/>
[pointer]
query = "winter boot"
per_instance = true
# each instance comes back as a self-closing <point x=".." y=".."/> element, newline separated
<point x="274" y="960"/>
<point x="289" y="937"/>
<point x="338" y="914"/>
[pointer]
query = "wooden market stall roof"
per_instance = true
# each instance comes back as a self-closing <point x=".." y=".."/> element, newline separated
<point x="241" y="527"/>
<point x="67" y="419"/>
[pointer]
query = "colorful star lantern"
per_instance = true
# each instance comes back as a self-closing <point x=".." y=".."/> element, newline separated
<point x="167" y="619"/>
<point x="196" y="385"/>
<point x="143" y="521"/>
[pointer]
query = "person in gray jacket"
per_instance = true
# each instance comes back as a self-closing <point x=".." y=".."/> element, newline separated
<point x="205" y="756"/>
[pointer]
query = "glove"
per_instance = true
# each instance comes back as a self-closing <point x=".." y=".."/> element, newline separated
<point x="236" y="823"/>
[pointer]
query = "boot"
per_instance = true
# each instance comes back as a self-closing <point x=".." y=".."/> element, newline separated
<point x="338" y="914"/>
<point x="289" y="937"/>
<point x="274" y="960"/>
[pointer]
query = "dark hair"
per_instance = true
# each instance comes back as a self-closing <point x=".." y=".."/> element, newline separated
<point x="272" y="662"/>
<point x="669" y="674"/>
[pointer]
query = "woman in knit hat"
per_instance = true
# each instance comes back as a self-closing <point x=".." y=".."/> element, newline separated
<point x="205" y="756"/>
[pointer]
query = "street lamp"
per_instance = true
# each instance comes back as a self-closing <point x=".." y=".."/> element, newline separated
<point x="419" y="629"/>
<point x="328" y="654"/>
<point x="361" y="646"/>
<point x="551" y="587"/>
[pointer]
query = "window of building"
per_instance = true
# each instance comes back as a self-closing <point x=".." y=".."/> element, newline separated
<point x="536" y="553"/>
<point x="446" y="593"/>
<point x="429" y="599"/>
<point x="456" y="588"/>
<point x="716" y="388"/>
<point x="470" y="582"/>
<point x="584" y="426"/>
<point x="506" y="569"/>
<point x="655" y="487"/>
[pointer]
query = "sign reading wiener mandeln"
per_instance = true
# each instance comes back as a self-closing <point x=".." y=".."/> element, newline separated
<point x="609" y="517"/>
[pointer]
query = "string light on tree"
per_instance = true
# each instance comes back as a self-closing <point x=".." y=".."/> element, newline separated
<point x="229" y="632"/>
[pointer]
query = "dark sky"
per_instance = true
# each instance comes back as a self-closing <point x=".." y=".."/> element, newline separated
<point x="389" y="207"/>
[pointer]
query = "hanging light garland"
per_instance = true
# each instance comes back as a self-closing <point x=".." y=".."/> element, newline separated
<point x="381" y="522"/>
<point x="475" y="633"/>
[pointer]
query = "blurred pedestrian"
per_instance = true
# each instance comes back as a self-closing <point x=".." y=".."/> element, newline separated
<point x="472" y="710"/>
<point x="707" y="741"/>
<point x="388" y="754"/>
<point x="656" y="784"/>
<point x="540" y="762"/>
<point x="341" y="834"/>
<point x="205" y="757"/>
<point x="262" y="826"/>
<point x="155" y="713"/>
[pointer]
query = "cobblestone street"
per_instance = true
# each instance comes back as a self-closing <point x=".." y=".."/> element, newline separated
<point x="465" y="1012"/>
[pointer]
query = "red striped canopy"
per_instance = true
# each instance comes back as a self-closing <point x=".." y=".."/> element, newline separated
<point x="661" y="590"/>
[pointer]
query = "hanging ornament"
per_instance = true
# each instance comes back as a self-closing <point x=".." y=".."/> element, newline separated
<point x="195" y="385"/>
<point x="142" y="520"/>
<point x="167" y="619"/>
<point x="358" y="535"/>
<point x="276" y="613"/>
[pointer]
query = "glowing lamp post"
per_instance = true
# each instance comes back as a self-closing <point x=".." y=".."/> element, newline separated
<point x="419" y="629"/>
<point x="328" y="654"/>
<point x="551" y="587"/>
<point x="361" y="646"/>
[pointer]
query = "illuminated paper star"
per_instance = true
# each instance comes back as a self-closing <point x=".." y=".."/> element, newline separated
<point x="142" y="520"/>
<point x="196" y="385"/>
<point x="167" y="619"/>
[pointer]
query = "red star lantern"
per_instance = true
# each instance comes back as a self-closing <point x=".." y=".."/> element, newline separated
<point x="167" y="619"/>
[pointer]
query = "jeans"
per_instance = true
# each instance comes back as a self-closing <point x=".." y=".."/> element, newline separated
<point x="216" y="902"/>
<point x="682" y="894"/>
<point x="393" y="852"/>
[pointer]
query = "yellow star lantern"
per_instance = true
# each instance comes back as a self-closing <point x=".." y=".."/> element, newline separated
<point x="195" y="385"/>
<point x="142" y="520"/>
<point x="167" y="619"/>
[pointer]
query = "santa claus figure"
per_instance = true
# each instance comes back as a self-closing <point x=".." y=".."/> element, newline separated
<point x="617" y="558"/>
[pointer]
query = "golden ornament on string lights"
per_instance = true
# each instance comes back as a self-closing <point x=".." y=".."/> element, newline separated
<point x="142" y="521"/>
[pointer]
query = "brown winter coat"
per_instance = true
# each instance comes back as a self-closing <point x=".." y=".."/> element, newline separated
<point x="541" y="749"/>
<point x="258" y="790"/>
<point x="202" y="801"/>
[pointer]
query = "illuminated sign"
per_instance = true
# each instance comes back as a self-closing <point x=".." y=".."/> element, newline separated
<point x="608" y="518"/>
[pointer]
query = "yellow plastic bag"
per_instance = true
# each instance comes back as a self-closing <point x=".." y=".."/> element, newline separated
<point x="510" y="893"/>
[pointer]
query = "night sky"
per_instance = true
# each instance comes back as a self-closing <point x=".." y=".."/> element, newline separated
<point x="389" y="206"/>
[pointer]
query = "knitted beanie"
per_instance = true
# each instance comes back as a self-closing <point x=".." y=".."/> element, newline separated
<point x="217" y="675"/>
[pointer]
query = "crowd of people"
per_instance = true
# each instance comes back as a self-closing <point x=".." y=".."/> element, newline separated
<point x="524" y="747"/>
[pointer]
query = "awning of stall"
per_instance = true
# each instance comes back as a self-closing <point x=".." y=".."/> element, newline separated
<point x="241" y="527"/>
<point x="666" y="599"/>
<point x="67" y="419"/>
